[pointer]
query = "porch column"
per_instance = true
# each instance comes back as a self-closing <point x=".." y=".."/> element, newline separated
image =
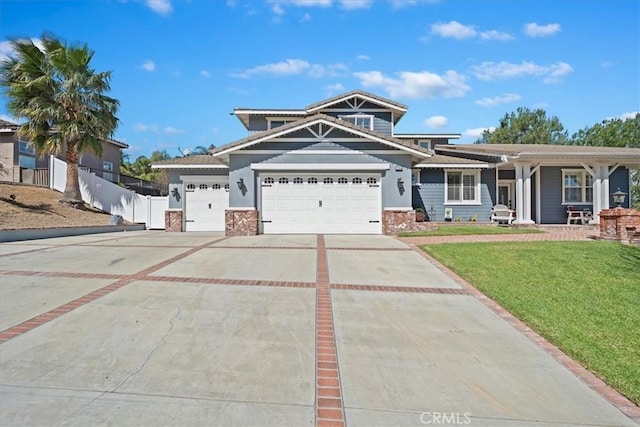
<point x="523" y="193"/>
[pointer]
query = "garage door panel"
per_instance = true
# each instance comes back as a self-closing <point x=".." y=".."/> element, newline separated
<point x="341" y="203"/>
<point x="205" y="206"/>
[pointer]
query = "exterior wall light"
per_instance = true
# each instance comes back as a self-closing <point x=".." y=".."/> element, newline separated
<point x="618" y="198"/>
<point x="241" y="184"/>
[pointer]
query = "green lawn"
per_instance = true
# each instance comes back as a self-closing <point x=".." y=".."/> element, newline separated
<point x="584" y="297"/>
<point x="459" y="230"/>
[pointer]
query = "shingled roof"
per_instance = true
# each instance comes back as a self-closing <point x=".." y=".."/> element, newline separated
<point x="540" y="150"/>
<point x="440" y="160"/>
<point x="258" y="137"/>
<point x="203" y="161"/>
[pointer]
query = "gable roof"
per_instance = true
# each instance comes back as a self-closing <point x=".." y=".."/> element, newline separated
<point x="259" y="137"/>
<point x="399" y="108"/>
<point x="243" y="113"/>
<point x="200" y="161"/>
<point x="4" y="124"/>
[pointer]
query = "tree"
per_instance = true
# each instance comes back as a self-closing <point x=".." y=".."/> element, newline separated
<point x="614" y="133"/>
<point x="525" y="126"/>
<point x="63" y="101"/>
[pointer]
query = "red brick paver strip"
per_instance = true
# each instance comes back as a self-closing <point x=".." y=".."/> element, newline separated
<point x="552" y="235"/>
<point x="387" y="288"/>
<point x="623" y="404"/>
<point x="329" y="404"/>
<point x="48" y="316"/>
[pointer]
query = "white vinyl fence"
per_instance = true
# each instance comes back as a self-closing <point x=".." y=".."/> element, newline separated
<point x="111" y="198"/>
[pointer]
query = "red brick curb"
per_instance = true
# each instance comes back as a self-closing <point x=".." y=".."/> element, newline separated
<point x="623" y="404"/>
<point x="48" y="316"/>
<point x="409" y="289"/>
<point x="329" y="405"/>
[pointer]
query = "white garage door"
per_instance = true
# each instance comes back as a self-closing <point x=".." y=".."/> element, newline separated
<point x="346" y="203"/>
<point x="205" y="205"/>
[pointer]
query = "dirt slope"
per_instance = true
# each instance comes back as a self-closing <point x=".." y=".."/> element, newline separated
<point x="27" y="206"/>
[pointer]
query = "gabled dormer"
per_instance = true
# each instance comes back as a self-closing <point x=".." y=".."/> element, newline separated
<point x="358" y="107"/>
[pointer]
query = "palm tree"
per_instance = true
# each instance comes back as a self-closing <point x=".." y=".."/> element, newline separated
<point x="63" y="100"/>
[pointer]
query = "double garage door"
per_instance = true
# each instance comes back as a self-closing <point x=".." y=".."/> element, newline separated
<point x="321" y="203"/>
<point x="205" y="204"/>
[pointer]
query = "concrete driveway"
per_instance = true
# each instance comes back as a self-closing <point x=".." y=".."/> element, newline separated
<point x="153" y="328"/>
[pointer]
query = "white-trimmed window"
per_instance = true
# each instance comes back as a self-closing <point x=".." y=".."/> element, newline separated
<point x="365" y="121"/>
<point x="462" y="187"/>
<point x="276" y="122"/>
<point x="107" y="169"/>
<point x="577" y="186"/>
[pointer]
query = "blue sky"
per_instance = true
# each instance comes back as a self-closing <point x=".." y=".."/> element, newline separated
<point x="181" y="66"/>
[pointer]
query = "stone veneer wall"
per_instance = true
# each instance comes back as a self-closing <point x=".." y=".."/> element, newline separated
<point x="173" y="221"/>
<point x="397" y="221"/>
<point x="241" y="222"/>
<point x="620" y="224"/>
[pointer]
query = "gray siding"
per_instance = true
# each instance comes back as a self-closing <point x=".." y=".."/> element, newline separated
<point x="430" y="195"/>
<point x="381" y="119"/>
<point x="177" y="184"/>
<point x="392" y="195"/>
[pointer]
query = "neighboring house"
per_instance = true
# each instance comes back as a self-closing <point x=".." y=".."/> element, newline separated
<point x="20" y="163"/>
<point x="338" y="166"/>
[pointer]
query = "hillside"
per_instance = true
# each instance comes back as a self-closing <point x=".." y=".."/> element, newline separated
<point x="27" y="206"/>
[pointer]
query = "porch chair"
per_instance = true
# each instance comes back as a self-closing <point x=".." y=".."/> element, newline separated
<point x="502" y="213"/>
<point x="574" y="215"/>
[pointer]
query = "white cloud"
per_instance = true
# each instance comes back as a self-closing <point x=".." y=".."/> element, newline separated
<point x="334" y="89"/>
<point x="295" y="67"/>
<point x="355" y="4"/>
<point x="423" y="84"/>
<point x="284" y="68"/>
<point x="498" y="100"/>
<point x="306" y="18"/>
<point x="7" y="51"/>
<point x="277" y="9"/>
<point x="627" y="116"/>
<point x="437" y="122"/>
<point x="453" y="29"/>
<point x="205" y="73"/>
<point x="318" y="71"/>
<point x="506" y="70"/>
<point x="161" y="7"/>
<point x="398" y="4"/>
<point x="534" y="30"/>
<point x="476" y="132"/>
<point x="363" y="57"/>
<point x="141" y="127"/>
<point x="495" y="35"/>
<point x="170" y="130"/>
<point x="149" y="66"/>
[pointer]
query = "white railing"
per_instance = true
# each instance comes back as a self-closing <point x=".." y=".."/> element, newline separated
<point x="111" y="198"/>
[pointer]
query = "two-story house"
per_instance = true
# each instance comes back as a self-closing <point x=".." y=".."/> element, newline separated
<point x="20" y="163"/>
<point x="338" y="166"/>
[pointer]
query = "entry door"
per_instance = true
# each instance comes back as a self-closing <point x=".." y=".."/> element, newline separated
<point x="506" y="193"/>
<point x="341" y="203"/>
<point x="205" y="205"/>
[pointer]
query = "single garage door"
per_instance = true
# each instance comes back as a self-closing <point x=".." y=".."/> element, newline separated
<point x="336" y="203"/>
<point x="205" y="205"/>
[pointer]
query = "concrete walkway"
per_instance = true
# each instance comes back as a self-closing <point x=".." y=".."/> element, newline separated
<point x="153" y="328"/>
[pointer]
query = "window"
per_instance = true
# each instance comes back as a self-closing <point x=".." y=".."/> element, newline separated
<point x="27" y="162"/>
<point x="216" y="187"/>
<point x="312" y="180"/>
<point x="107" y="169"/>
<point x="328" y="180"/>
<point x="298" y="180"/>
<point x="462" y="187"/>
<point x="343" y="181"/>
<point x="359" y="120"/>
<point x="26" y="148"/>
<point x="357" y="180"/>
<point x="283" y="180"/>
<point x="277" y="122"/>
<point x="372" y="181"/>
<point x="203" y="186"/>
<point x="577" y="186"/>
<point x="226" y="186"/>
<point x="269" y="180"/>
<point x="424" y="143"/>
<point x="191" y="187"/>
